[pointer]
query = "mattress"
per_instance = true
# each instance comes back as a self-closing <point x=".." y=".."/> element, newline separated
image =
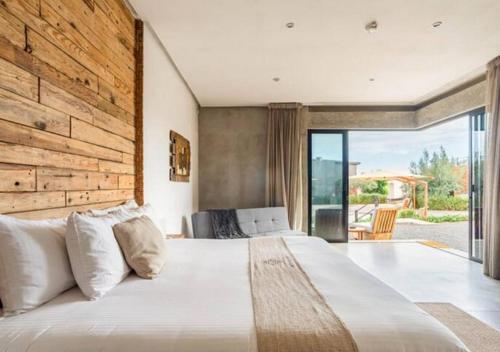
<point x="202" y="302"/>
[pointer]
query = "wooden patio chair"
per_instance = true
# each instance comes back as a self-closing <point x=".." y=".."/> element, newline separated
<point x="382" y="225"/>
<point x="406" y="203"/>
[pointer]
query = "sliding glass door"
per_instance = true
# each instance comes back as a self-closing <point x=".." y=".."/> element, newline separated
<point x="477" y="142"/>
<point x="328" y="184"/>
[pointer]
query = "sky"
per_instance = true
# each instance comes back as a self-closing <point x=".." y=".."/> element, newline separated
<point x="327" y="146"/>
<point x="395" y="150"/>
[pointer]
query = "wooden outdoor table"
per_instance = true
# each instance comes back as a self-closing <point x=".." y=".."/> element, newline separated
<point x="357" y="232"/>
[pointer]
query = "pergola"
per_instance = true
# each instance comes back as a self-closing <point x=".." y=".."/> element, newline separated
<point x="411" y="179"/>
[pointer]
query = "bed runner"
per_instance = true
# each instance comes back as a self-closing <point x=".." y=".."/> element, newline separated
<point x="290" y="314"/>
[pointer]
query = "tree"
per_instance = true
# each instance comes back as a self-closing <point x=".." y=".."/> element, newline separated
<point x="379" y="187"/>
<point x="442" y="169"/>
<point x="369" y="187"/>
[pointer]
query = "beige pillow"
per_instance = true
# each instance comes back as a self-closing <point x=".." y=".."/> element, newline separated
<point x="143" y="245"/>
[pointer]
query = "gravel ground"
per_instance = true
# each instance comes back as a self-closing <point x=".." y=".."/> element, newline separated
<point x="453" y="234"/>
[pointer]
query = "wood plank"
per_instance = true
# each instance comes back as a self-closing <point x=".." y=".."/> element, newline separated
<point x="112" y="124"/>
<point x="124" y="36"/>
<point x="18" y="109"/>
<point x="110" y="93"/>
<point x="18" y="154"/>
<point x="16" y="134"/>
<point x="123" y="86"/>
<point x="122" y="19"/>
<point x="118" y="168"/>
<point x="90" y="4"/>
<point x="71" y="180"/>
<point x="114" y="15"/>
<point x="96" y="49"/>
<point x="88" y="133"/>
<point x="25" y="201"/>
<point x="12" y="28"/>
<point x="126" y="182"/>
<point x="55" y="57"/>
<point x="17" y="80"/>
<point x="59" y="213"/>
<point x="100" y="24"/>
<point x="39" y="68"/>
<point x="56" y="37"/>
<point x="125" y="11"/>
<point x="115" y="110"/>
<point x="89" y="197"/>
<point x="128" y="159"/>
<point x="30" y="7"/>
<point x="87" y="24"/>
<point x="60" y="100"/>
<point x="17" y="178"/>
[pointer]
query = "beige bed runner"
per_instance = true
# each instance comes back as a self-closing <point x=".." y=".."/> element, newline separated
<point x="290" y="314"/>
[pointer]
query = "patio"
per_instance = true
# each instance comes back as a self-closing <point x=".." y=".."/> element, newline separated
<point x="452" y="234"/>
<point x="449" y="234"/>
<point x="414" y="226"/>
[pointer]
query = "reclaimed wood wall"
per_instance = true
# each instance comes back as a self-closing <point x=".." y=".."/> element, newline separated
<point x="67" y="107"/>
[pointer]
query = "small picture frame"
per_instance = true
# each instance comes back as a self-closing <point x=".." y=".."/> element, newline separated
<point x="180" y="158"/>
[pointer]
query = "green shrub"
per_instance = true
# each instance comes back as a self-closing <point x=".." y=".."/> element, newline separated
<point x="412" y="214"/>
<point x="367" y="198"/>
<point x="447" y="218"/>
<point x="407" y="214"/>
<point x="448" y="203"/>
<point x="375" y="187"/>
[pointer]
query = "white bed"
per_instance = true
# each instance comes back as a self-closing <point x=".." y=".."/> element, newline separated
<point x="202" y="302"/>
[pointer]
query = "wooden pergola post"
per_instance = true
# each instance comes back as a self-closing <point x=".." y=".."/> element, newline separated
<point x="426" y="198"/>
<point x="414" y="190"/>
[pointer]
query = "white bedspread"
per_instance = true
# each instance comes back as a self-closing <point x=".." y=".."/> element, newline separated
<point x="202" y="302"/>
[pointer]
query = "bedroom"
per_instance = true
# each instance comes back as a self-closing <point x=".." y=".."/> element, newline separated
<point x="90" y="92"/>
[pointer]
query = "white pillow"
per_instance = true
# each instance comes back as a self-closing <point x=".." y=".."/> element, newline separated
<point x="145" y="209"/>
<point x="96" y="258"/>
<point x="131" y="204"/>
<point x="34" y="265"/>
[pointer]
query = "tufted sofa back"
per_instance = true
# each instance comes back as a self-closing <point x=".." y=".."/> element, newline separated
<point x="261" y="220"/>
<point x="257" y="221"/>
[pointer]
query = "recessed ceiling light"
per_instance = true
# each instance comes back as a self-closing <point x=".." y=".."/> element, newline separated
<point x="371" y="27"/>
<point x="276" y="79"/>
<point x="290" y="25"/>
<point x="437" y="24"/>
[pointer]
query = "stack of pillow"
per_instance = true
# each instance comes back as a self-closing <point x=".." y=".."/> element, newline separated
<point x="96" y="250"/>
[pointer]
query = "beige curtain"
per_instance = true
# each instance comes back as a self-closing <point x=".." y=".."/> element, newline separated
<point x="492" y="174"/>
<point x="284" y="173"/>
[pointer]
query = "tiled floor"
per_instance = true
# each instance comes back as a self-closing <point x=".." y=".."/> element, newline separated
<point x="425" y="274"/>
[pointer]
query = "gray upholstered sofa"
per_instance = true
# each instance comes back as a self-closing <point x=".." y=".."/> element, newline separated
<point x="253" y="222"/>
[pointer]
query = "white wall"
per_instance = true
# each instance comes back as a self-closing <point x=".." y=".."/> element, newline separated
<point x="168" y="105"/>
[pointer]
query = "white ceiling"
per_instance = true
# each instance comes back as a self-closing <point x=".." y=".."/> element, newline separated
<point x="229" y="50"/>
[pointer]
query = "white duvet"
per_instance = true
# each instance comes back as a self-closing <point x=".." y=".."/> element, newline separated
<point x="202" y="303"/>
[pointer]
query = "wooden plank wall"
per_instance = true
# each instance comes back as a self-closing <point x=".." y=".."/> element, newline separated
<point x="67" y="107"/>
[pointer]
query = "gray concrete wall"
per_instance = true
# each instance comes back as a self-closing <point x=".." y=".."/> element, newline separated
<point x="358" y="119"/>
<point x="453" y="105"/>
<point x="232" y="142"/>
<point x="232" y="157"/>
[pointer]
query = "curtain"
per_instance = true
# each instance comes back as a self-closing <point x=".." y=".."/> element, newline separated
<point x="492" y="174"/>
<point x="284" y="172"/>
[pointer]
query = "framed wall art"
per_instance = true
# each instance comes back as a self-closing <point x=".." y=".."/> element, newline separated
<point x="180" y="158"/>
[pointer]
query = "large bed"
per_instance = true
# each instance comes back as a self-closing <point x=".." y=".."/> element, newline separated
<point x="202" y="301"/>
